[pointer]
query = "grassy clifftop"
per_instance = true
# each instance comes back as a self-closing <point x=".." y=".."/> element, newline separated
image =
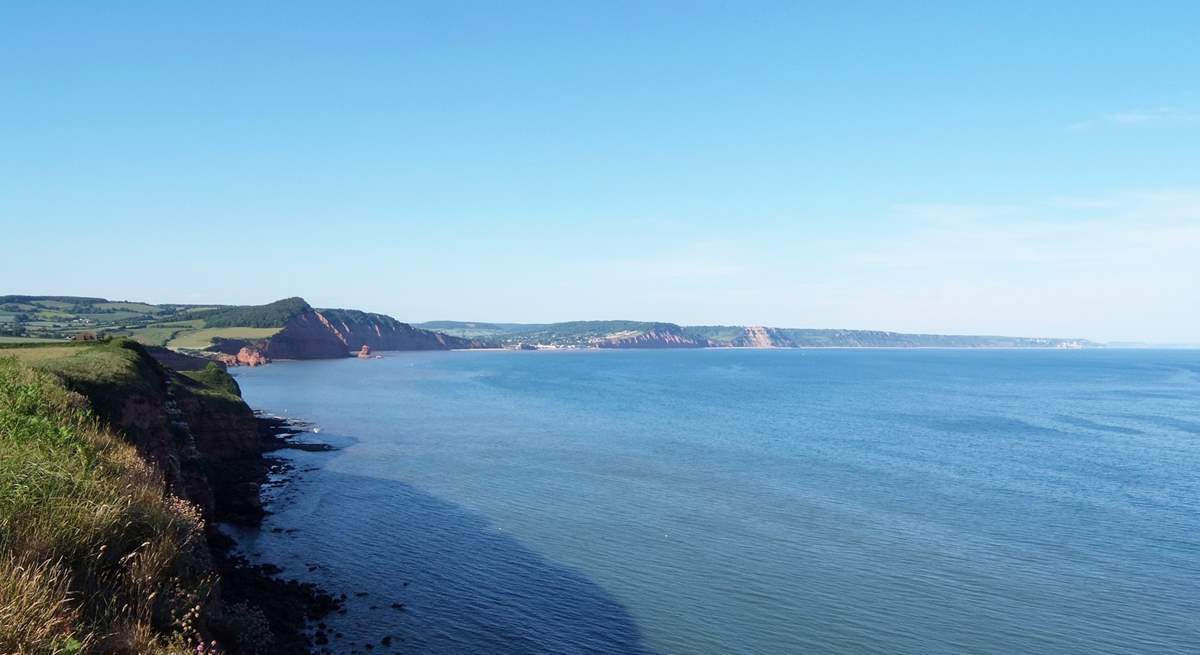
<point x="94" y="557"/>
<point x="110" y="464"/>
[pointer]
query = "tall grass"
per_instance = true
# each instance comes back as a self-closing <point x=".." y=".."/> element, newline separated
<point x="94" y="557"/>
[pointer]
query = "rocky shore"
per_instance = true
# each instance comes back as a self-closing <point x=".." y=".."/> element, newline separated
<point x="288" y="605"/>
<point x="215" y="451"/>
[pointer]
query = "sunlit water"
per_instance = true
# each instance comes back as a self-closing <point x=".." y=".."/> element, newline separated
<point x="747" y="501"/>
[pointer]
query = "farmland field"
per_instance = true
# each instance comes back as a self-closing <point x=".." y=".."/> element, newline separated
<point x="5" y="339"/>
<point x="203" y="338"/>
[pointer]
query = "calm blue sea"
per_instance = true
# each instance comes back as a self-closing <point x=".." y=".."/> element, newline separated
<point x="714" y="502"/>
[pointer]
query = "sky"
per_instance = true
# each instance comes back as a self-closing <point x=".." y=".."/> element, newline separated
<point x="1027" y="169"/>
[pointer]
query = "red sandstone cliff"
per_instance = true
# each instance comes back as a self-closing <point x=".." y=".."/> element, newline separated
<point x="333" y="333"/>
<point x="206" y="444"/>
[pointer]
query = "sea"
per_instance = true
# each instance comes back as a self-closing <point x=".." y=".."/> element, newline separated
<point x="727" y="501"/>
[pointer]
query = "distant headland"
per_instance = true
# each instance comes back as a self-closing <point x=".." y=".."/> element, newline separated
<point x="293" y="329"/>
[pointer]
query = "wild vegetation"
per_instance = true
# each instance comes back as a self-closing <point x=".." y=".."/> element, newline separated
<point x="62" y="317"/>
<point x="94" y="557"/>
<point x="194" y="327"/>
<point x="97" y="554"/>
<point x="271" y="315"/>
<point x="215" y="380"/>
<point x="585" y="333"/>
<point x="41" y="318"/>
<point x="202" y="338"/>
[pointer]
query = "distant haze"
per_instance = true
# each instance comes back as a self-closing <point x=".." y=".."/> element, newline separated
<point x="955" y="170"/>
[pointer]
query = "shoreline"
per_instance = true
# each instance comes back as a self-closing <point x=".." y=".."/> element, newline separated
<point x="298" y="610"/>
<point x="292" y="607"/>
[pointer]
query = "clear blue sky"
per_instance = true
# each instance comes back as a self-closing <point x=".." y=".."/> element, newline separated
<point x="1020" y="168"/>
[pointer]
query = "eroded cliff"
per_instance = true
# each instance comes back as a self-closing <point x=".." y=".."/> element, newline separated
<point x="666" y="337"/>
<point x="187" y="421"/>
<point x="333" y="333"/>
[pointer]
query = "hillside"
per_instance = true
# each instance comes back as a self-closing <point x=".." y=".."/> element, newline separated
<point x="292" y="329"/>
<point x="477" y="330"/>
<point x="113" y="471"/>
<point x="329" y="333"/>
<point x="60" y="317"/>
<point x="629" y="334"/>
<point x="288" y="328"/>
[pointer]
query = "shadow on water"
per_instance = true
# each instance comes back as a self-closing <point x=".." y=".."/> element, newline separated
<point x="465" y="585"/>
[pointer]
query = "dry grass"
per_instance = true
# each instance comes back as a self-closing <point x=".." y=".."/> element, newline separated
<point x="93" y="556"/>
<point x="37" y="611"/>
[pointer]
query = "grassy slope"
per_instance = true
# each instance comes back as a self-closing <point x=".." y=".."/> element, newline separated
<point x="4" y="339"/>
<point x="271" y="315"/>
<point x="159" y="334"/>
<point x="61" y="316"/>
<point x="472" y="330"/>
<point x="93" y="556"/>
<point x="200" y="339"/>
<point x="176" y="326"/>
<point x="718" y="333"/>
<point x="215" y="381"/>
<point x="179" y="326"/>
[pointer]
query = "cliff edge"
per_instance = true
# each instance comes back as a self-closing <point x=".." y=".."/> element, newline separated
<point x="114" y="471"/>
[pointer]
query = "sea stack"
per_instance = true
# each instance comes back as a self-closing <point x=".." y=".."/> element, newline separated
<point x="365" y="353"/>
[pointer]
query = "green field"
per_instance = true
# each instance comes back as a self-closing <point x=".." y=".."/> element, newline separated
<point x="26" y="319"/>
<point x="42" y="353"/>
<point x="4" y="339"/>
<point x="200" y="339"/>
<point x="154" y="335"/>
<point x="159" y="334"/>
<point x="135" y="307"/>
<point x="173" y="325"/>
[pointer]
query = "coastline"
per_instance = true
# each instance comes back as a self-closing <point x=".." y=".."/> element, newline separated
<point x="290" y="606"/>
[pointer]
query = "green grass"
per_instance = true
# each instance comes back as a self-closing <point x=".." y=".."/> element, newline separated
<point x="200" y="339"/>
<point x="59" y="316"/>
<point x="215" y="381"/>
<point x="28" y="340"/>
<point x="722" y="333"/>
<point x="55" y="304"/>
<point x="137" y="307"/>
<point x="94" y="557"/>
<point x="39" y="351"/>
<point x="152" y="336"/>
<point x="194" y="324"/>
<point x="273" y="314"/>
<point x="104" y="371"/>
<point x="160" y="334"/>
<point x="54" y="315"/>
<point x="473" y="330"/>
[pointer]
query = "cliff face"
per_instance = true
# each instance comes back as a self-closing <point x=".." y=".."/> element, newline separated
<point x="205" y="443"/>
<point x="664" y="338"/>
<point x="356" y="329"/>
<point x="334" y="333"/>
<point x="757" y="336"/>
<point x="306" y="336"/>
<point x="189" y="423"/>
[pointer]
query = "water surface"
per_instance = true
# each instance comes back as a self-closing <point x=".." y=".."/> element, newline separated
<point x="748" y="501"/>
